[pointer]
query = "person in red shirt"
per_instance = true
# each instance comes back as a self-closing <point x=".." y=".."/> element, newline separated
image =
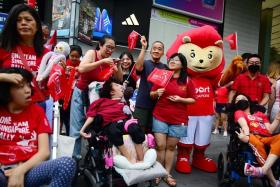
<point x="170" y="112"/>
<point x="221" y="101"/>
<point x="115" y="113"/>
<point x="94" y="67"/>
<point x="258" y="132"/>
<point x="72" y="62"/>
<point x="252" y="83"/>
<point x="24" y="142"/>
<point x="22" y="41"/>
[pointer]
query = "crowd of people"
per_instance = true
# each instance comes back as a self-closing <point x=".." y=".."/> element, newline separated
<point x="24" y="127"/>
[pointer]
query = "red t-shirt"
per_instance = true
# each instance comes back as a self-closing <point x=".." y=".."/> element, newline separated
<point x="204" y="98"/>
<point x="253" y="88"/>
<point x="19" y="133"/>
<point x="169" y="111"/>
<point x="110" y="110"/>
<point x="13" y="60"/>
<point x="256" y="122"/>
<point x="70" y="63"/>
<point x="86" y="78"/>
<point x="222" y="95"/>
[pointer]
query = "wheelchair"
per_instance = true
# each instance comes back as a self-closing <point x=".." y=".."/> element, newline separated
<point x="231" y="164"/>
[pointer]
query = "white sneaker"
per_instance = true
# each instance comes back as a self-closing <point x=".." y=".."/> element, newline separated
<point x="216" y="131"/>
<point x="225" y="133"/>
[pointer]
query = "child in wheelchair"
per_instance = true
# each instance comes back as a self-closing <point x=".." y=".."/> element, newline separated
<point x="116" y="122"/>
<point x="258" y="133"/>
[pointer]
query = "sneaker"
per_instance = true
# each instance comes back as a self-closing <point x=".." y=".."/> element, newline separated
<point x="97" y="21"/>
<point x="215" y="131"/>
<point x="105" y="22"/>
<point x="225" y="133"/>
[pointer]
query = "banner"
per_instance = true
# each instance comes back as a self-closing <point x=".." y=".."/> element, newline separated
<point x="61" y="17"/>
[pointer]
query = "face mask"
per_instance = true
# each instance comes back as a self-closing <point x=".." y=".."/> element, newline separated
<point x="254" y="68"/>
<point x="242" y="105"/>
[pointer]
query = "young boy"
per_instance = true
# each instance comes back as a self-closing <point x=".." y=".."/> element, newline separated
<point x="115" y="114"/>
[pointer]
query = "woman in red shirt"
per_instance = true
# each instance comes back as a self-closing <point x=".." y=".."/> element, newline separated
<point x="24" y="139"/>
<point x="170" y="112"/>
<point x="91" y="68"/>
<point x="258" y="132"/>
<point x="21" y="42"/>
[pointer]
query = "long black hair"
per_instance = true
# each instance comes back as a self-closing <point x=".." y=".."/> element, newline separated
<point x="183" y="74"/>
<point x="5" y="94"/>
<point x="10" y="37"/>
<point x="129" y="55"/>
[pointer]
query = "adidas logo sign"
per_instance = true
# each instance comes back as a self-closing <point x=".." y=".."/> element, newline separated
<point x="131" y="20"/>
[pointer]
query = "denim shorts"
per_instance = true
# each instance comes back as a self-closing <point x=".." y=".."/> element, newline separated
<point x="174" y="130"/>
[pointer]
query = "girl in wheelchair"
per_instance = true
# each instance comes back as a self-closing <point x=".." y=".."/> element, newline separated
<point x="258" y="133"/>
<point x="116" y="122"/>
<point x="24" y="140"/>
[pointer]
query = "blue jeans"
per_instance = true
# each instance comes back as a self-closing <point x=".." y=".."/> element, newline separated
<point x="55" y="173"/>
<point x="77" y="118"/>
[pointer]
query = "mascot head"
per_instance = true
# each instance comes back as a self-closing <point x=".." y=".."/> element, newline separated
<point x="62" y="48"/>
<point x="203" y="49"/>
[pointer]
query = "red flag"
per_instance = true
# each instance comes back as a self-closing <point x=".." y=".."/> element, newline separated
<point x="132" y="39"/>
<point x="32" y="3"/>
<point x="69" y="87"/>
<point x="57" y="82"/>
<point x="232" y="40"/>
<point x="52" y="42"/>
<point x="106" y="73"/>
<point x="160" y="77"/>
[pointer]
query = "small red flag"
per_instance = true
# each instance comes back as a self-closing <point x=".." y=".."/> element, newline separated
<point x="232" y="40"/>
<point x="132" y="39"/>
<point x="52" y="42"/>
<point x="160" y="77"/>
<point x="32" y="3"/>
<point x="68" y="89"/>
<point x="57" y="82"/>
<point x="106" y="73"/>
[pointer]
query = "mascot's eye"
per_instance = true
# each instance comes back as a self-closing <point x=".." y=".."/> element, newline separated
<point x="210" y="56"/>
<point x="192" y="54"/>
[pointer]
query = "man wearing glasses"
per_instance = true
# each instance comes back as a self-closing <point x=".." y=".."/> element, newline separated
<point x="252" y="83"/>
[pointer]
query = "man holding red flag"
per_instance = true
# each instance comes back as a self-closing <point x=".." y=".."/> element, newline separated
<point x="144" y="104"/>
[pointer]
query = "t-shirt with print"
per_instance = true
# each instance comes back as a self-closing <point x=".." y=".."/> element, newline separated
<point x="204" y="97"/>
<point x="143" y="99"/>
<point x="19" y="133"/>
<point x="173" y="112"/>
<point x="13" y="60"/>
<point x="110" y="110"/>
<point x="256" y="122"/>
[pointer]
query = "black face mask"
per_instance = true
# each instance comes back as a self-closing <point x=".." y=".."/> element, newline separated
<point x="254" y="68"/>
<point x="242" y="105"/>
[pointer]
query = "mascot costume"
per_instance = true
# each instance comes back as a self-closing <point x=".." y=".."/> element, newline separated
<point x="203" y="49"/>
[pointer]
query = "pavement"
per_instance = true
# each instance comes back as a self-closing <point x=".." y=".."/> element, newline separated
<point x="202" y="179"/>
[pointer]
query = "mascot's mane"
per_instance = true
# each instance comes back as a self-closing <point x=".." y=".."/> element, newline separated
<point x="203" y="37"/>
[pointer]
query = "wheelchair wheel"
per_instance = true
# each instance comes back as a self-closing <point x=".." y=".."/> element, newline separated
<point x="221" y="167"/>
<point x="223" y="179"/>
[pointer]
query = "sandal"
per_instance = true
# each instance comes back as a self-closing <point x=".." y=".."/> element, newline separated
<point x="170" y="180"/>
<point x="257" y="171"/>
<point x="157" y="181"/>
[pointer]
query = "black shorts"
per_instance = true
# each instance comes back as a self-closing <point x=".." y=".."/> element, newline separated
<point x="115" y="132"/>
<point x="221" y="107"/>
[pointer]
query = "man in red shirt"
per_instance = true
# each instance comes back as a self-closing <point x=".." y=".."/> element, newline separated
<point x="252" y="83"/>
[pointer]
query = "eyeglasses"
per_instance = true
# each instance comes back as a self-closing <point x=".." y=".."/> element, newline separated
<point x="174" y="60"/>
<point x="110" y="48"/>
